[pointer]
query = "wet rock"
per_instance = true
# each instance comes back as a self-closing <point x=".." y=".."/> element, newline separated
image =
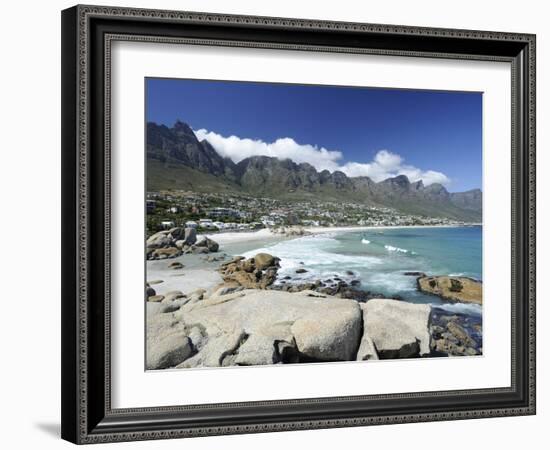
<point x="460" y="333"/>
<point x="354" y="294"/>
<point x="414" y="274"/>
<point x="456" y="334"/>
<point x="444" y="346"/>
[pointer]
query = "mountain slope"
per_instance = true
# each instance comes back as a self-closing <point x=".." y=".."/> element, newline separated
<point x="471" y="200"/>
<point x="178" y="160"/>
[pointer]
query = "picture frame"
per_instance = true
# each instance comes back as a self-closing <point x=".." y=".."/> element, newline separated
<point x="87" y="35"/>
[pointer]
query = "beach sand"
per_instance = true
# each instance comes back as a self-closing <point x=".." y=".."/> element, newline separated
<point x="197" y="273"/>
<point x="240" y="236"/>
<point x="232" y="237"/>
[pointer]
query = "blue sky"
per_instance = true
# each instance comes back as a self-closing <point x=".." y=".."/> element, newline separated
<point x="430" y="135"/>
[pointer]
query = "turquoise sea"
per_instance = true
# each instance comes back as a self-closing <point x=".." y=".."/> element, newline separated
<point x="379" y="258"/>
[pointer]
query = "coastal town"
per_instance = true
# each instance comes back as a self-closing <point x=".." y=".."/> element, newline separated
<point x="220" y="212"/>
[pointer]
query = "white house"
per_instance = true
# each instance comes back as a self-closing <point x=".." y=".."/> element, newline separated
<point x="207" y="223"/>
<point x="223" y="212"/>
<point x="191" y="224"/>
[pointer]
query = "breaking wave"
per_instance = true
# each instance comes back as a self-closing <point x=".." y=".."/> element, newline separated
<point x="391" y="248"/>
<point x="314" y="254"/>
<point x="461" y="308"/>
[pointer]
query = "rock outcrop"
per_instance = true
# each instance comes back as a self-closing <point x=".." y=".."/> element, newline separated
<point x="455" y="334"/>
<point x="258" y="272"/>
<point x="168" y="343"/>
<point x="209" y="244"/>
<point x="290" y="231"/>
<point x="237" y="326"/>
<point x="254" y="327"/>
<point x="176" y="242"/>
<point x="394" y="329"/>
<point x="330" y="286"/>
<point x="456" y="289"/>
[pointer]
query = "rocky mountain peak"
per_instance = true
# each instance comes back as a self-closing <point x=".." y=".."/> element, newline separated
<point x="182" y="126"/>
<point x="418" y="185"/>
<point x="399" y="180"/>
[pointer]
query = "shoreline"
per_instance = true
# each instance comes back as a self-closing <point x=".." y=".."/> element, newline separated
<point x="319" y="230"/>
<point x="200" y="273"/>
<point x="232" y="237"/>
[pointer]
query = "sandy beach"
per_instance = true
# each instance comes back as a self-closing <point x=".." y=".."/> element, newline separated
<point x="232" y="237"/>
<point x="197" y="273"/>
<point x="240" y="236"/>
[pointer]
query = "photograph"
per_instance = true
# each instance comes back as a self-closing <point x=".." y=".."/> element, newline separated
<point x="301" y="223"/>
<point x="329" y="216"/>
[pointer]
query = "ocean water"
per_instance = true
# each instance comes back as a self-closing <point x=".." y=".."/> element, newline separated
<point x="379" y="258"/>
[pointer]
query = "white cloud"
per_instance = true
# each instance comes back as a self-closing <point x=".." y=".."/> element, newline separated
<point x="387" y="160"/>
<point x="385" y="164"/>
<point x="238" y="149"/>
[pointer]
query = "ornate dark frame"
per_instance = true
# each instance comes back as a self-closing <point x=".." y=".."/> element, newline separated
<point x="87" y="33"/>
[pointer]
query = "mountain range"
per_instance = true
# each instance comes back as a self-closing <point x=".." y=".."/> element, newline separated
<point x="176" y="159"/>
